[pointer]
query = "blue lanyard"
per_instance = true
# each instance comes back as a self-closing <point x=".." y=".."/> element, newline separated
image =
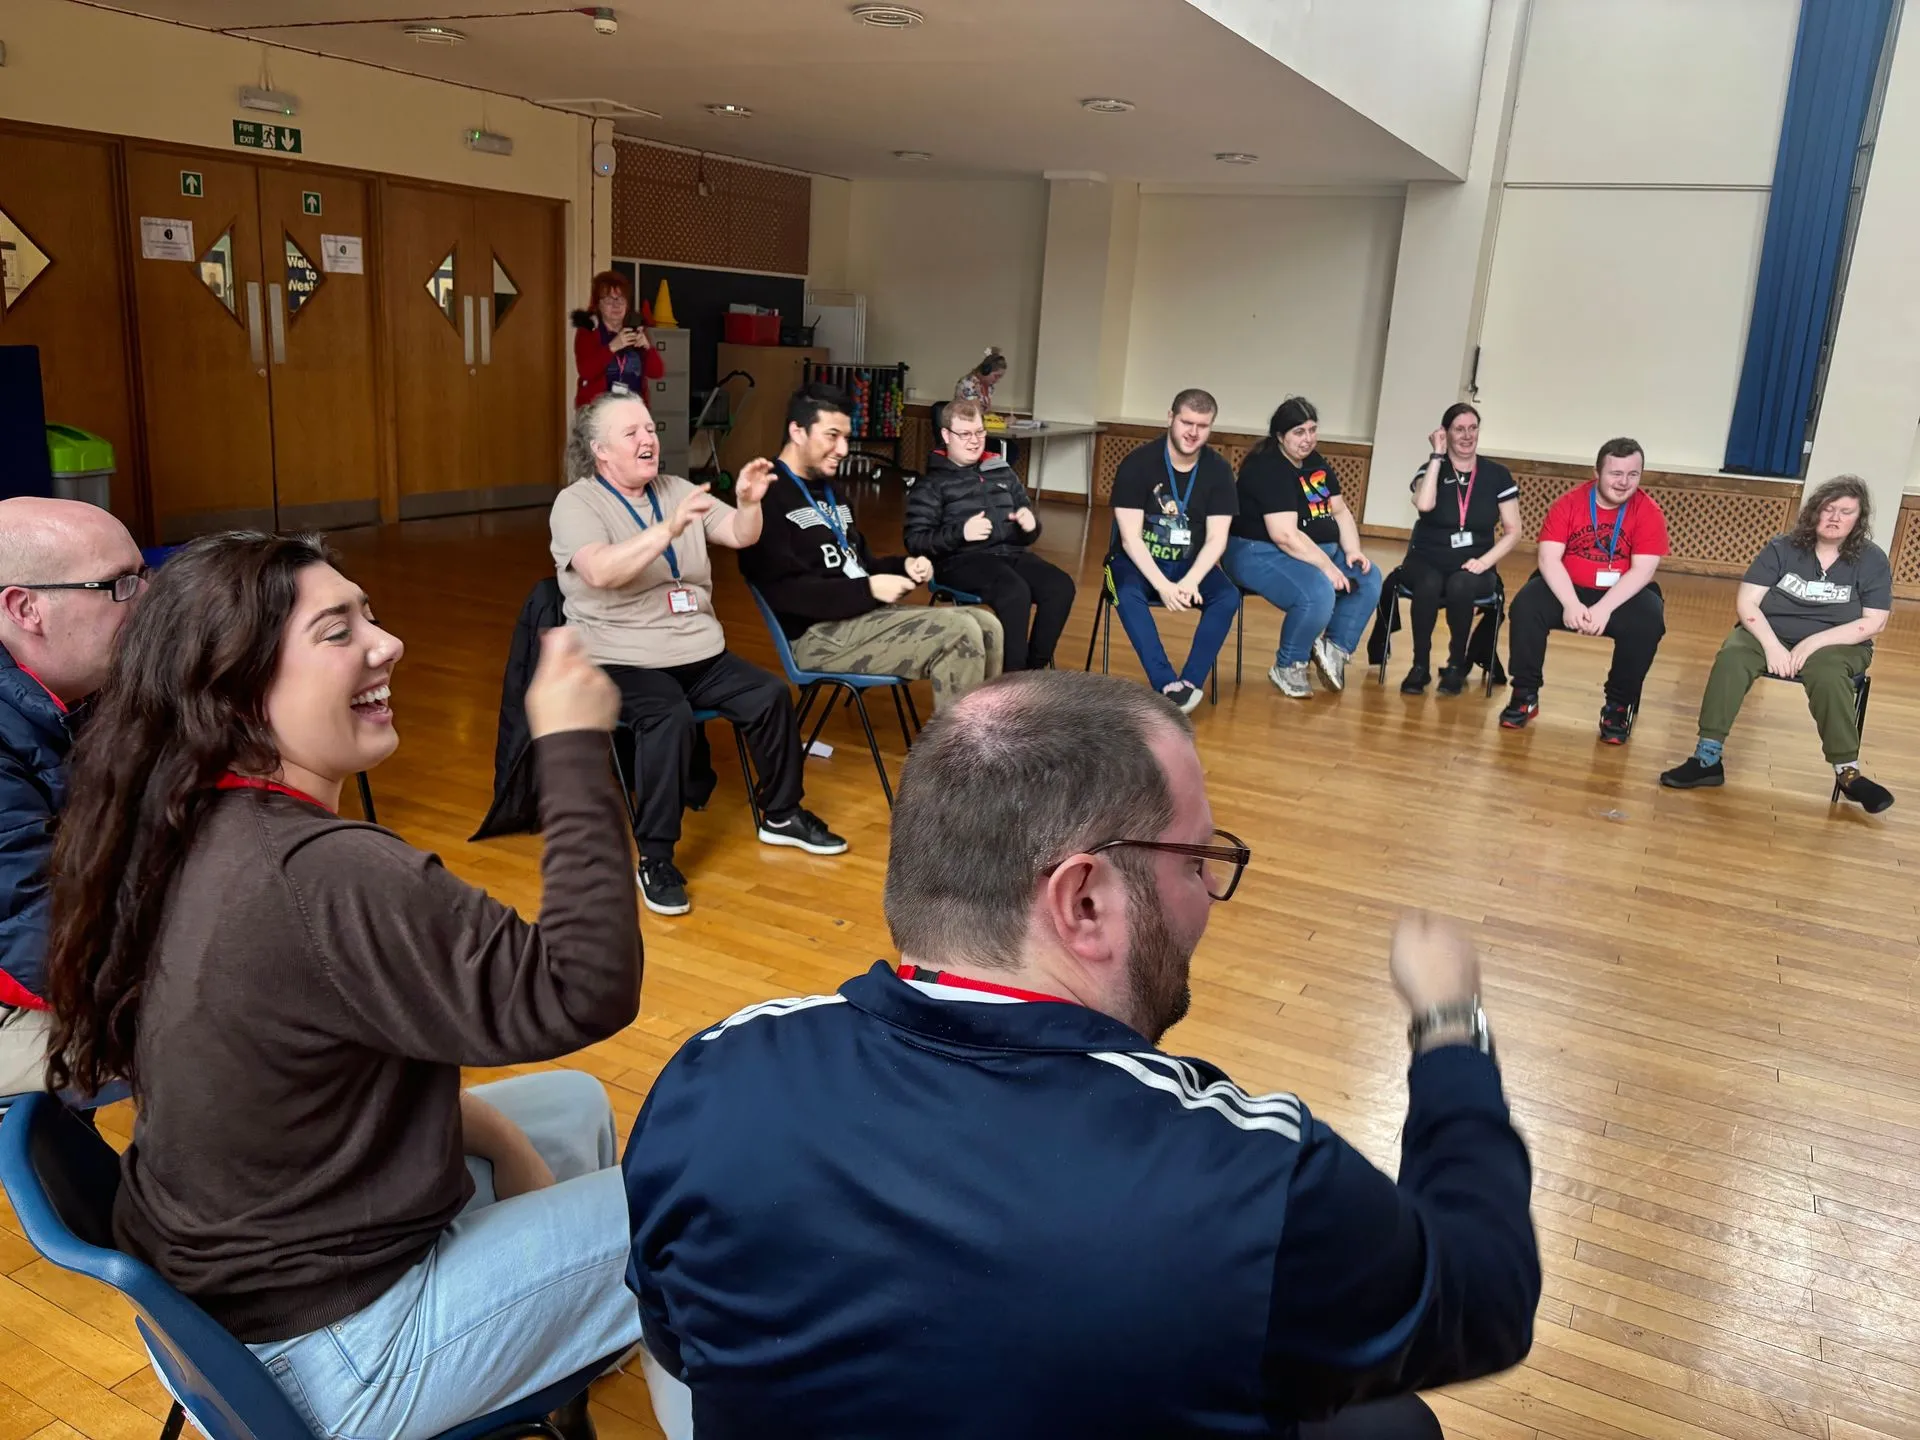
<point x="1173" y="479"/>
<point x="673" y="564"/>
<point x="1593" y="516"/>
<point x="829" y="512"/>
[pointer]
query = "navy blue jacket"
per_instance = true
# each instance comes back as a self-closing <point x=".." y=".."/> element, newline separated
<point x="34" y="741"/>
<point x="881" y="1213"/>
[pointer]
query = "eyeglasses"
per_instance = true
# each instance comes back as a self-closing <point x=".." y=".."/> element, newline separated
<point x="1222" y="865"/>
<point x="120" y="587"/>
<point x="967" y="434"/>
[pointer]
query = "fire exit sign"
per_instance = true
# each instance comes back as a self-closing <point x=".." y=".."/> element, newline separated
<point x="252" y="135"/>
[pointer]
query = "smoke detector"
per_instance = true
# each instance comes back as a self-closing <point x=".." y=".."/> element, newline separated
<point x="605" y="22"/>
<point x="1106" y="105"/>
<point x="434" y="35"/>
<point x="887" y="17"/>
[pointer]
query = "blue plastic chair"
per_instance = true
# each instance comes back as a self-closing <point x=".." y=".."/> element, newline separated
<point x="833" y="684"/>
<point x="938" y="593"/>
<point x="61" y="1178"/>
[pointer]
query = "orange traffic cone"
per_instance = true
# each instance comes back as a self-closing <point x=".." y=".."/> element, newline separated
<point x="663" y="309"/>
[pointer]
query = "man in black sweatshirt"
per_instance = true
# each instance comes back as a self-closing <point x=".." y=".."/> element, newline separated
<point x="972" y="517"/>
<point x="836" y="601"/>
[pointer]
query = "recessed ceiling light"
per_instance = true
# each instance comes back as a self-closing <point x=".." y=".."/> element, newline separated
<point x="1106" y="105"/>
<point x="434" y="35"/>
<point x="887" y="17"/>
<point x="737" y="112"/>
<point x="913" y="155"/>
<point x="1235" y="157"/>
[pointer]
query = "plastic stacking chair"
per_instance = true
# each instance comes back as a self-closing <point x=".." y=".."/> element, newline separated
<point x="814" y="684"/>
<point x="623" y="764"/>
<point x="61" y="1178"/>
<point x="1388" y="616"/>
<point x="938" y="593"/>
<point x="1862" y="688"/>
<point x="1102" y="635"/>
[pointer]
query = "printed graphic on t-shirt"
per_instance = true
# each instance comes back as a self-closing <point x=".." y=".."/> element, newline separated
<point x="835" y="556"/>
<point x="1814" y="592"/>
<point x="1318" y="495"/>
<point x="1589" y="542"/>
<point x="1168" y="533"/>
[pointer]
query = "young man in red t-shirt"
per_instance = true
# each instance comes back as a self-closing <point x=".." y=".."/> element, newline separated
<point x="1599" y="547"/>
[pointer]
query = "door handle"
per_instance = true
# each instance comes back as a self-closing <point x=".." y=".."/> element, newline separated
<point x="466" y="327"/>
<point x="486" y="329"/>
<point x="256" y="346"/>
<point x="277" y="319"/>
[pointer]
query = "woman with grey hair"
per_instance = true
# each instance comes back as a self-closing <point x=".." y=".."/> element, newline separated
<point x="630" y="546"/>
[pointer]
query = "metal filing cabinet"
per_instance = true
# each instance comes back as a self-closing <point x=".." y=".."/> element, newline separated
<point x="670" y="398"/>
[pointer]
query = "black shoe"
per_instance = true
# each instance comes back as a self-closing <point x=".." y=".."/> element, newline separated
<point x="573" y="1422"/>
<point x="803" y="830"/>
<point x="1453" y="679"/>
<point x="1690" y="774"/>
<point x="1616" y="723"/>
<point x="1863" y="792"/>
<point x="1416" y="681"/>
<point x="663" y="887"/>
<point x="1187" y="697"/>
<point x="1521" y="709"/>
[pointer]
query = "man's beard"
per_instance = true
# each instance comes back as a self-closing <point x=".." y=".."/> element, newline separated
<point x="1158" y="965"/>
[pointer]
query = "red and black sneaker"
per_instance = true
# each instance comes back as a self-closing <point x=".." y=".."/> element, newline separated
<point x="1616" y="723"/>
<point x="1524" y="706"/>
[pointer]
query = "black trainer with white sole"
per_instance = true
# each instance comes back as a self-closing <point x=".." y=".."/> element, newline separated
<point x="802" y="830"/>
<point x="662" y="887"/>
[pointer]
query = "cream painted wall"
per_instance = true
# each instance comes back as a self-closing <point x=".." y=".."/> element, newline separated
<point x="1260" y="296"/>
<point x="94" y="69"/>
<point x="828" y="215"/>
<point x="1116" y="310"/>
<point x="950" y="267"/>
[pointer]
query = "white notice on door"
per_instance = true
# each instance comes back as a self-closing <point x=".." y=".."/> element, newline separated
<point x="340" y="255"/>
<point x="166" y="239"/>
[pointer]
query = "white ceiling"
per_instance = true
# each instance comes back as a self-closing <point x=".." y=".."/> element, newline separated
<point x="988" y="86"/>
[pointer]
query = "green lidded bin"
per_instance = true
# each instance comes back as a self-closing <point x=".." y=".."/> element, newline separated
<point x="82" y="465"/>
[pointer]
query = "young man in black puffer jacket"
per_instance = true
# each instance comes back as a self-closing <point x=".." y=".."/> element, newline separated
<point x="972" y="518"/>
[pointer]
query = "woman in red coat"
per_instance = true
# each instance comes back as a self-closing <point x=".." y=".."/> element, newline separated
<point x="609" y="353"/>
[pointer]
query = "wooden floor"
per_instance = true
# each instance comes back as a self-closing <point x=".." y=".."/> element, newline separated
<point x="1704" y="1002"/>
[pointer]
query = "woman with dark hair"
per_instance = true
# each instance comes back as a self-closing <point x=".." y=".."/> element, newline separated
<point x="609" y="352"/>
<point x="1295" y="544"/>
<point x="977" y="384"/>
<point x="292" y="994"/>
<point x="1453" y="555"/>
<point x="1809" y="607"/>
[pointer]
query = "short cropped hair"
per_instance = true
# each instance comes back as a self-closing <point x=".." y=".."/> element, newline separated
<point x="962" y="410"/>
<point x="813" y="400"/>
<point x="1016" y="777"/>
<point x="1618" y="448"/>
<point x="1198" y="401"/>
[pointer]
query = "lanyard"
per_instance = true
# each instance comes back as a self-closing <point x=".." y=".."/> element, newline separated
<point x="1593" y="515"/>
<point x="673" y="563"/>
<point x="829" y="512"/>
<point x="1465" y="497"/>
<point x="231" y="781"/>
<point x="1173" y="480"/>
<point x="965" y="982"/>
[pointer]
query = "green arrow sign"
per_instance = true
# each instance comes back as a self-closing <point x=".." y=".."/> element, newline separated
<point x="252" y="135"/>
<point x="310" y="202"/>
<point x="192" y="184"/>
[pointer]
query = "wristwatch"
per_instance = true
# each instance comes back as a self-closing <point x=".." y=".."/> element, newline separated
<point x="1461" y="1014"/>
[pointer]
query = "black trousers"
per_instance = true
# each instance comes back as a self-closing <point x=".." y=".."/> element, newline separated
<point x="1406" y="1417"/>
<point x="1011" y="586"/>
<point x="1433" y="587"/>
<point x="658" y="705"/>
<point x="1635" y="629"/>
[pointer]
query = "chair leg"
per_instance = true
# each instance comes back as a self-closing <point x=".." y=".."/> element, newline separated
<point x="1862" y="688"/>
<point x="366" y="797"/>
<point x="626" y="785"/>
<point x="1386" y="641"/>
<point x="900" y="712"/>
<point x="746" y="775"/>
<point x="176" y="1419"/>
<point x="873" y="747"/>
<point x="1106" y="639"/>
<point x="913" y="712"/>
<point x="1493" y="659"/>
<point x="820" y="721"/>
<point x="1093" y="635"/>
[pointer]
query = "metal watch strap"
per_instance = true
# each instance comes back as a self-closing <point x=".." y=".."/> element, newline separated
<point x="1466" y="1013"/>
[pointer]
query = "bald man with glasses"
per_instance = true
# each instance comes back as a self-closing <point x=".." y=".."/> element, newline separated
<point x="69" y="574"/>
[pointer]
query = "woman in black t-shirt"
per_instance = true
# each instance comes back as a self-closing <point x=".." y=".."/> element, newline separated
<point x="1453" y="555"/>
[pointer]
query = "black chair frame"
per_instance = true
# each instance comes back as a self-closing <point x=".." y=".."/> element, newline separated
<point x="1102" y="637"/>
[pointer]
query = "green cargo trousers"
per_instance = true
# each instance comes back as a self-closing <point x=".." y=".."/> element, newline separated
<point x="1827" y="677"/>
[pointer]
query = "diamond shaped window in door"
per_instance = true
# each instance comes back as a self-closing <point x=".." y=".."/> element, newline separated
<point x="21" y="262"/>
<point x="440" y="289"/>
<point x="505" y="292"/>
<point x="216" y="271"/>
<point x="303" y="277"/>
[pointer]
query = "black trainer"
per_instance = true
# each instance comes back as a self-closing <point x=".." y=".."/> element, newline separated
<point x="1616" y="723"/>
<point x="1417" y="680"/>
<point x="803" y="830"/>
<point x="1692" y="774"/>
<point x="1453" y="679"/>
<point x="1863" y="792"/>
<point x="1187" y="697"/>
<point x="663" y="887"/>
<point x="1521" y="709"/>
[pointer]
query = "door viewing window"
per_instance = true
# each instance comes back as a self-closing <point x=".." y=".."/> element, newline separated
<point x="505" y="292"/>
<point x="21" y="262"/>
<point x="216" y="271"/>
<point x="440" y="289"/>
<point x="302" y="278"/>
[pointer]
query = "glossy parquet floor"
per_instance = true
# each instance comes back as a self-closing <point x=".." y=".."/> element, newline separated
<point x="1704" y="1002"/>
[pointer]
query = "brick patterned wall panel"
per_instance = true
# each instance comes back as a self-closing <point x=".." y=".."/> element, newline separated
<point x="1537" y="494"/>
<point x="1353" y="469"/>
<point x="1108" y="451"/>
<point x="1721" y="529"/>
<point x="751" y="218"/>
<point x="1904" y="552"/>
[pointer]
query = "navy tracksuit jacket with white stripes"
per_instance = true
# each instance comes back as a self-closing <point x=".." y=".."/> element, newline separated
<point x="906" y="1211"/>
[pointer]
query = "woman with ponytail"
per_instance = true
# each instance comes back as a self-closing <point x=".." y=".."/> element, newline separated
<point x="292" y="994"/>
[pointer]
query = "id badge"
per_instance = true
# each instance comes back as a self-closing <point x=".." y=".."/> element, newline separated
<point x="1606" y="579"/>
<point x="1179" y="535"/>
<point x="681" y="601"/>
<point x="1461" y="539"/>
<point x="851" y="567"/>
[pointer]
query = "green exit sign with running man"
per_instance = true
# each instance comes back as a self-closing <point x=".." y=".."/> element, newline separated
<point x="252" y="135"/>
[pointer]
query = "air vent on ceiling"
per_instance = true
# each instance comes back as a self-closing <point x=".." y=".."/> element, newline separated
<point x="887" y="17"/>
<point x="600" y="108"/>
<point x="1106" y="105"/>
<point x="434" y="35"/>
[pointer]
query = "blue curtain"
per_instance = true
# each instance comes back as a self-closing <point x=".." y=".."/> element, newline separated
<point x="1835" y="59"/>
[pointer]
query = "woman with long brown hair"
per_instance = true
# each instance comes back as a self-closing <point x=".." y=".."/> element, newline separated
<point x="292" y="995"/>
<point x="1809" y="607"/>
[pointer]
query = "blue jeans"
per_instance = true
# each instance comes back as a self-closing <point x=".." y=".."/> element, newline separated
<point x="1313" y="607"/>
<point x="1134" y="598"/>
<point x="515" y="1295"/>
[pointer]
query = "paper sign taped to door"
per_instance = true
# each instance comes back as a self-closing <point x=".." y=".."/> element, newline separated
<point x="341" y="255"/>
<point x="166" y="239"/>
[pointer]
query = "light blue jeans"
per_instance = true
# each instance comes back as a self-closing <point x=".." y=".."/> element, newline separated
<point x="516" y="1295"/>
<point x="1313" y="607"/>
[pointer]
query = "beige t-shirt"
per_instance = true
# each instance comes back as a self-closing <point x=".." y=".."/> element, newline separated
<point x="635" y="624"/>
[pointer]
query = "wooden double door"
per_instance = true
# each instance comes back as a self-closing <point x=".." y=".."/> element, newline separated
<point x="256" y="319"/>
<point x="473" y="295"/>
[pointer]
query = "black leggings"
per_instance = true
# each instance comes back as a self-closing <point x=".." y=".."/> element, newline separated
<point x="1405" y="1417"/>
<point x="1433" y="587"/>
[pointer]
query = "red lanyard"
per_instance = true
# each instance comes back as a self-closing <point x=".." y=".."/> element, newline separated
<point x="963" y="982"/>
<point x="231" y="781"/>
<point x="1465" y="497"/>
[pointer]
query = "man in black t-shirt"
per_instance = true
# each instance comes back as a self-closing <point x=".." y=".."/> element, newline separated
<point x="1173" y="502"/>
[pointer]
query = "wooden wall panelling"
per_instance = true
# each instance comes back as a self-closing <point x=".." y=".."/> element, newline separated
<point x="751" y="218"/>
<point x="1904" y="549"/>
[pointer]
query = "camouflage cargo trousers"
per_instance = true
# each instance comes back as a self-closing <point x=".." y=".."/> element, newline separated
<point x="955" y="647"/>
